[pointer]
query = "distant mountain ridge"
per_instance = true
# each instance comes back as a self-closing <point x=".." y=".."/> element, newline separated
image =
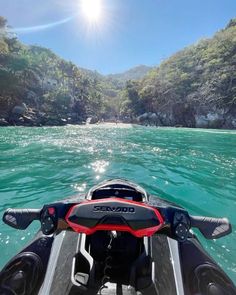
<point x="135" y="73"/>
<point x="195" y="87"/>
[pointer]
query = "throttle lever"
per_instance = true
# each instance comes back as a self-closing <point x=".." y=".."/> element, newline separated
<point x="20" y="218"/>
<point x="211" y="228"/>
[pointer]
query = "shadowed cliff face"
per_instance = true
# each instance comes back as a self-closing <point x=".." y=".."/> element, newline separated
<point x="189" y="116"/>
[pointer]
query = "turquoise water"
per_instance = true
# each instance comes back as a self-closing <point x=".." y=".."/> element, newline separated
<point x="192" y="167"/>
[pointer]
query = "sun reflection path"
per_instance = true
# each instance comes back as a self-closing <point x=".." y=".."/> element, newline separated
<point x="100" y="166"/>
<point x="79" y="187"/>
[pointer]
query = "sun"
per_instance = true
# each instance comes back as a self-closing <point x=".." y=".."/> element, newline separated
<point x="92" y="10"/>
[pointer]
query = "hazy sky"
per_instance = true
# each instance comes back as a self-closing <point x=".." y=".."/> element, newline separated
<point x="125" y="33"/>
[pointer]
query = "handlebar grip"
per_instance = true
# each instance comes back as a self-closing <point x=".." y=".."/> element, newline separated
<point x="20" y="218"/>
<point x="211" y="228"/>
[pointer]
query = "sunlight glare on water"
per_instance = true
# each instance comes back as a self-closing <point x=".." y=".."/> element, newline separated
<point x="192" y="167"/>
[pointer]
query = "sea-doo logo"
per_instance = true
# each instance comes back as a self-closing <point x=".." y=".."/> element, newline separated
<point x="114" y="209"/>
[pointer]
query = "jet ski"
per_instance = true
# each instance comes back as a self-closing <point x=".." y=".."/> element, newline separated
<point x="115" y="239"/>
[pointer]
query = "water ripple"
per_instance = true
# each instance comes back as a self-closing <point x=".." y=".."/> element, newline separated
<point x="195" y="168"/>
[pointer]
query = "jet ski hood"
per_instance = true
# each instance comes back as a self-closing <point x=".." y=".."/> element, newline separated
<point x="120" y="188"/>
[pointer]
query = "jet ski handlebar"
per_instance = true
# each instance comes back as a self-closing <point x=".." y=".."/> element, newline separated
<point x="21" y="218"/>
<point x="211" y="228"/>
<point x="140" y="219"/>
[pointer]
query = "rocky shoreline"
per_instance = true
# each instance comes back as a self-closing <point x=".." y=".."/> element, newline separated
<point x="22" y="116"/>
<point x="213" y="119"/>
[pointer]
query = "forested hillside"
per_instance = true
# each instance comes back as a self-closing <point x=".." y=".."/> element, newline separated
<point x="37" y="87"/>
<point x="196" y="87"/>
<point x="135" y="73"/>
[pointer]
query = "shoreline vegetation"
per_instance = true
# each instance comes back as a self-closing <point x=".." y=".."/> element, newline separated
<point x="196" y="87"/>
